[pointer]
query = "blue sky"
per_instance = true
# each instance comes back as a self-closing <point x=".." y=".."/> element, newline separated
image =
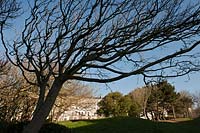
<point x="188" y="83"/>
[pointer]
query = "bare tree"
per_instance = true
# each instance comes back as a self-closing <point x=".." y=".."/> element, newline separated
<point x="9" y="9"/>
<point x="103" y="41"/>
<point x="183" y="104"/>
<point x="141" y="95"/>
<point x="17" y="98"/>
<point x="3" y="66"/>
<point x="196" y="101"/>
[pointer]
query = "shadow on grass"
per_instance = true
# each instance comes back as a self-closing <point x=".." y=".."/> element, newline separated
<point x="133" y="125"/>
<point x="110" y="125"/>
<point x="46" y="128"/>
<point x="114" y="125"/>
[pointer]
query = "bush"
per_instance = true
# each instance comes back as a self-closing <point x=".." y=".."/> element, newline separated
<point x="54" y="128"/>
<point x="18" y="128"/>
<point x="14" y="127"/>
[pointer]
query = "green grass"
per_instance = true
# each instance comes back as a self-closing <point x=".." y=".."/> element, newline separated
<point x="132" y="125"/>
<point x="112" y="125"/>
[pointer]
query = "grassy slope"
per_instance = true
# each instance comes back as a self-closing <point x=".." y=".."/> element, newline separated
<point x="132" y="125"/>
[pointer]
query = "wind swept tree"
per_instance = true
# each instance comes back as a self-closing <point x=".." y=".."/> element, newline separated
<point x="103" y="41"/>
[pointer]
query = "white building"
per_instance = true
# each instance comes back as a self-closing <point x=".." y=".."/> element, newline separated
<point x="85" y="109"/>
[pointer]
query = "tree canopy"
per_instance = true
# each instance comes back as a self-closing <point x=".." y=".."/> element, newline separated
<point x="115" y="104"/>
<point x="103" y="41"/>
<point x="162" y="98"/>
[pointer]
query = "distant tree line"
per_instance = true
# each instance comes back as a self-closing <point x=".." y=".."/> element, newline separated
<point x="159" y="101"/>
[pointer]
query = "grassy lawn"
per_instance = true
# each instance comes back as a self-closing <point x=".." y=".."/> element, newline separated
<point x="132" y="125"/>
<point x="112" y="125"/>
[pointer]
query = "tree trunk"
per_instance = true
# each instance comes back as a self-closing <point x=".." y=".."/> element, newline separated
<point x="157" y="111"/>
<point x="152" y="115"/>
<point x="41" y="98"/>
<point x="146" y="114"/>
<point x="44" y="110"/>
<point x="163" y="113"/>
<point x="187" y="113"/>
<point x="174" y="113"/>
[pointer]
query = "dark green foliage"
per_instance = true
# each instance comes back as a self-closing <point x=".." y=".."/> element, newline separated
<point x="109" y="105"/>
<point x="168" y="94"/>
<point x="162" y="102"/>
<point x="134" y="110"/>
<point x="125" y="104"/>
<point x="115" y="104"/>
<point x="162" y="94"/>
<point x="163" y="97"/>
